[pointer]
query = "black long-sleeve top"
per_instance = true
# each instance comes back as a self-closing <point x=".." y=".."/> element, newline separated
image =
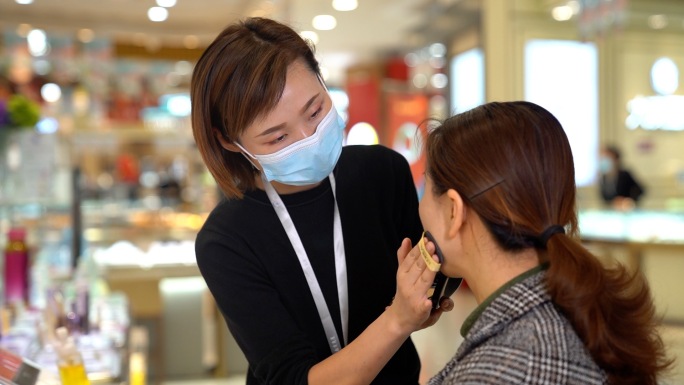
<point x="622" y="184"/>
<point x="253" y="272"/>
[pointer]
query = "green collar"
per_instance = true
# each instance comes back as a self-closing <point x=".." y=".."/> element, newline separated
<point x="470" y="321"/>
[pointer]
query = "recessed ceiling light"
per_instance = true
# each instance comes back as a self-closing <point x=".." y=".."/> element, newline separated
<point x="324" y="22"/>
<point x="562" y="13"/>
<point x="166" y="3"/>
<point x="23" y="2"/>
<point x="345" y="5"/>
<point x="157" y="14"/>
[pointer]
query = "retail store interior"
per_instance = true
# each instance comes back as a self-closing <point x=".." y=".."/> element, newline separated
<point x="104" y="190"/>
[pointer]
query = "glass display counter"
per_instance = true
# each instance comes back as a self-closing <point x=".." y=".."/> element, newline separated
<point x="633" y="226"/>
<point x="651" y="242"/>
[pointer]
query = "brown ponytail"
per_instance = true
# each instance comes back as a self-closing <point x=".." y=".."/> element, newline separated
<point x="512" y="164"/>
<point x="611" y="310"/>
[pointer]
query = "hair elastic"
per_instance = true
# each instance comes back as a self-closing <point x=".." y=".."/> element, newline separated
<point x="548" y="233"/>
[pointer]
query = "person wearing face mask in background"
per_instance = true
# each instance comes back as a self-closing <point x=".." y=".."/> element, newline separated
<point x="500" y="204"/>
<point x="619" y="189"/>
<point x="301" y="257"/>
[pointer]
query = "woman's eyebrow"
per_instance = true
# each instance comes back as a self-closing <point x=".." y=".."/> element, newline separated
<point x="281" y="125"/>
<point x="309" y="103"/>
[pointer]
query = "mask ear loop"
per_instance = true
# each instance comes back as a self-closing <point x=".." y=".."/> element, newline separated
<point x="247" y="155"/>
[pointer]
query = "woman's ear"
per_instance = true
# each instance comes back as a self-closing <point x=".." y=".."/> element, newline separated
<point x="225" y="143"/>
<point x="458" y="212"/>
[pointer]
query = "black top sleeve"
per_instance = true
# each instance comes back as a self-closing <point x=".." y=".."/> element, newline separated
<point x="628" y="186"/>
<point x="624" y="185"/>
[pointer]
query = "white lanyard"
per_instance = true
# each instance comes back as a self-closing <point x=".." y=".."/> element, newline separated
<point x="340" y="266"/>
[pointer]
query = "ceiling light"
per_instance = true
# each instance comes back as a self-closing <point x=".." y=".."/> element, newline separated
<point x="345" y="5"/>
<point x="324" y="22"/>
<point x="23" y="2"/>
<point x="166" y="3"/>
<point x="157" y="14"/>
<point x="309" y="35"/>
<point x="562" y="13"/>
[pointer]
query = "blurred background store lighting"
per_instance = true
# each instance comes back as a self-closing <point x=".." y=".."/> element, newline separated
<point x="166" y="3"/>
<point x="157" y="14"/>
<point x="345" y="5"/>
<point x="324" y="22"/>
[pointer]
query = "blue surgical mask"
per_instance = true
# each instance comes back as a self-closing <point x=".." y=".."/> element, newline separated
<point x="309" y="160"/>
<point x="605" y="165"/>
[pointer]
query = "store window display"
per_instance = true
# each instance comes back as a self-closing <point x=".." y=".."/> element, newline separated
<point x="302" y="255"/>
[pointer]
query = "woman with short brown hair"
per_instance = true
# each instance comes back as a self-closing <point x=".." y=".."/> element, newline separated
<point x="302" y="255"/>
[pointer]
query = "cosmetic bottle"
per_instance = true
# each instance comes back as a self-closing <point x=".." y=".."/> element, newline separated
<point x="16" y="268"/>
<point x="69" y="360"/>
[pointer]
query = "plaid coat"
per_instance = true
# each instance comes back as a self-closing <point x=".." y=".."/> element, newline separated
<point x="521" y="338"/>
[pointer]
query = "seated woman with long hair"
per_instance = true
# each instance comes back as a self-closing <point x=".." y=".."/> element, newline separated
<point x="500" y="204"/>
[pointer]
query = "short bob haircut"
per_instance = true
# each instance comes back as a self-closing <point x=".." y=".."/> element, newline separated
<point x="238" y="78"/>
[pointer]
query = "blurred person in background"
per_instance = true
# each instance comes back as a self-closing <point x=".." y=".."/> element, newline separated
<point x="500" y="202"/>
<point x="619" y="188"/>
<point x="301" y="256"/>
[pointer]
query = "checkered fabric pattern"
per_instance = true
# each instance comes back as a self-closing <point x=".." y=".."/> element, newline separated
<point x="521" y="338"/>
